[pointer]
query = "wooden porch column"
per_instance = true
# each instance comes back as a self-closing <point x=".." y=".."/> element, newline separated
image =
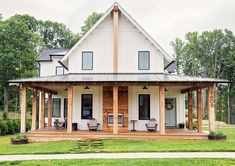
<point x="70" y="109"/>
<point x="211" y="108"/>
<point x="199" y="110"/>
<point x="162" y="109"/>
<point x="34" y="110"/>
<point x="115" y="109"/>
<point x="190" y="110"/>
<point x="49" y="110"/>
<point x="115" y="39"/>
<point x="42" y="117"/>
<point x="23" y="109"/>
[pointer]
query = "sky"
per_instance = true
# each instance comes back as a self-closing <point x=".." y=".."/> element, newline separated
<point x="164" y="20"/>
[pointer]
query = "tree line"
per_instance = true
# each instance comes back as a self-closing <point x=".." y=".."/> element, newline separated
<point x="21" y="39"/>
<point x="210" y="54"/>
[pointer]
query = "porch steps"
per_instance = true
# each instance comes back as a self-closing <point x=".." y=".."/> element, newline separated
<point x="55" y="136"/>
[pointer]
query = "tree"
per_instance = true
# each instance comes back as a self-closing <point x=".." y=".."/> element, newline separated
<point x="90" y="21"/>
<point x="209" y="54"/>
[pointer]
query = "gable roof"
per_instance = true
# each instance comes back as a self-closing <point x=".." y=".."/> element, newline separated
<point x="46" y="53"/>
<point x="167" y="57"/>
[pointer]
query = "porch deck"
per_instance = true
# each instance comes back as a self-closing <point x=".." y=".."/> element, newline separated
<point x="52" y="134"/>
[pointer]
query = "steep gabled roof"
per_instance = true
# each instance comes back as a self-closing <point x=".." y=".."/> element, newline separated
<point x="167" y="57"/>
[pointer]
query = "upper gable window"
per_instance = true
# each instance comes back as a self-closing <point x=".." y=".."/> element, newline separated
<point x="59" y="70"/>
<point x="143" y="60"/>
<point x="87" y="60"/>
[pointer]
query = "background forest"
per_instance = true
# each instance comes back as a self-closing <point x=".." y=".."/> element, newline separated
<point x="210" y="54"/>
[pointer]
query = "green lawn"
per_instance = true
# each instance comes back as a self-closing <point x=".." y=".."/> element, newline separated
<point x="121" y="162"/>
<point x="121" y="146"/>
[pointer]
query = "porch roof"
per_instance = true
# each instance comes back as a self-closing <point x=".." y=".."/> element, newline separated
<point x="119" y="77"/>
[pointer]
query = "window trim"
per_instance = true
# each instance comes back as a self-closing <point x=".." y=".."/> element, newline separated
<point x="82" y="105"/>
<point x="149" y="104"/>
<point x="139" y="60"/>
<point x="91" y="59"/>
<point x="53" y="107"/>
<point x="56" y="70"/>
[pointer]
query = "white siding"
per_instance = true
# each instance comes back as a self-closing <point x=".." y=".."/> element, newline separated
<point x="48" y="68"/>
<point x="100" y="41"/>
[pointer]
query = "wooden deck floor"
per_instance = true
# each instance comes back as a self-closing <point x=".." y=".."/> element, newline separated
<point x="52" y="134"/>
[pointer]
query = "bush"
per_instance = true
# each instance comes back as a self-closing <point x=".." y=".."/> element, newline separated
<point x="10" y="127"/>
<point x="28" y="126"/>
<point x="194" y="125"/>
<point x="3" y="128"/>
<point x="16" y="124"/>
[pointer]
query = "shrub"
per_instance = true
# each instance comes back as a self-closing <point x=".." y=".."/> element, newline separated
<point x="16" y="124"/>
<point x="3" y="128"/>
<point x="10" y="127"/>
<point x="194" y="125"/>
<point x="28" y="126"/>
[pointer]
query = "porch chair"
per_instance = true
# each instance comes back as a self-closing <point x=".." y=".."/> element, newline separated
<point x="151" y="125"/>
<point x="93" y="125"/>
<point x="59" y="124"/>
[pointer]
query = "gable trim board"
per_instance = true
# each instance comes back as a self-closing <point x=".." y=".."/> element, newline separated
<point x="167" y="57"/>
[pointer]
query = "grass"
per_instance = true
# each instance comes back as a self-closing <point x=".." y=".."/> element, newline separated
<point x="119" y="145"/>
<point x="121" y="162"/>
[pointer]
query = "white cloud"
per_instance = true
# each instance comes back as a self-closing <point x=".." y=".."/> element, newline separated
<point x="164" y="20"/>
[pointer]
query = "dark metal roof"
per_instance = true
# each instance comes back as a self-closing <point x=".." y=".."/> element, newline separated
<point x="48" y="52"/>
<point x="120" y="77"/>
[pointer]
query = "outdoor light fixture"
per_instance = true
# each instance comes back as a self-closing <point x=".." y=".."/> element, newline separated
<point x="166" y="90"/>
<point x="144" y="88"/>
<point x="87" y="87"/>
<point x="66" y="89"/>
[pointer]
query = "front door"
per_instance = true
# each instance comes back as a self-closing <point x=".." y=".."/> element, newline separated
<point x="170" y="112"/>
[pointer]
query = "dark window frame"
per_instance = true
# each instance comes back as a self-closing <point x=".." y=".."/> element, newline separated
<point x="139" y="60"/>
<point x="149" y="99"/>
<point x="57" y="68"/>
<point x="82" y="116"/>
<point x="91" y="60"/>
<point x="65" y="114"/>
<point x="53" y="107"/>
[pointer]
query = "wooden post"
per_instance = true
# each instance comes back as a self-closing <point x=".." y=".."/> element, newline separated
<point x="115" y="109"/>
<point x="23" y="109"/>
<point x="34" y="110"/>
<point x="42" y="117"/>
<point x="115" y="39"/>
<point x="199" y="110"/>
<point x="211" y="108"/>
<point x="190" y="110"/>
<point x="49" y="110"/>
<point x="162" y="109"/>
<point x="70" y="109"/>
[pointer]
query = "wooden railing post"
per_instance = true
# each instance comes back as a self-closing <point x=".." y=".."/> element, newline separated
<point x="23" y="109"/>
<point x="115" y="109"/>
<point x="42" y="117"/>
<point x="211" y="108"/>
<point x="70" y="109"/>
<point x="49" y="110"/>
<point x="190" y="110"/>
<point x="34" y="110"/>
<point x="162" y="109"/>
<point x="199" y="110"/>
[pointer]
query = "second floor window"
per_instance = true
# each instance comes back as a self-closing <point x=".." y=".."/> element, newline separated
<point x="144" y="60"/>
<point x="59" y="70"/>
<point x="87" y="60"/>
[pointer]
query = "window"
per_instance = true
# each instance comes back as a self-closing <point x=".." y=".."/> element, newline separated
<point x="46" y="107"/>
<point x="56" y="107"/>
<point x="144" y="106"/>
<point x="87" y="60"/>
<point x="110" y="119"/>
<point x="59" y="70"/>
<point x="86" y="106"/>
<point x="144" y="60"/>
<point x="65" y="107"/>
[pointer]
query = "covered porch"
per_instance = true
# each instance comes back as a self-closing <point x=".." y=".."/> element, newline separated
<point x="116" y="84"/>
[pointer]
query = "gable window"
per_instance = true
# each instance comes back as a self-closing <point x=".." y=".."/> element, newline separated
<point x="144" y="106"/>
<point x="86" y="106"/>
<point x="59" y="70"/>
<point x="143" y="60"/>
<point x="56" y="107"/>
<point x="87" y="60"/>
